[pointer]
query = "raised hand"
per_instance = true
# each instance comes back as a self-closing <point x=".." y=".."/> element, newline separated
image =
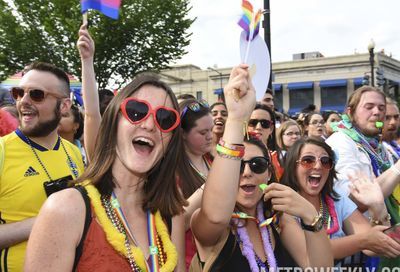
<point x="85" y="43"/>
<point x="285" y="199"/>
<point x="239" y="93"/>
<point x="364" y="190"/>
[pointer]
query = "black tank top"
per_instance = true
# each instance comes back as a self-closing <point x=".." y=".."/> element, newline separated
<point x="231" y="257"/>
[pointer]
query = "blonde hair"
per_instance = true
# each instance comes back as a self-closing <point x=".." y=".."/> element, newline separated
<point x="283" y="127"/>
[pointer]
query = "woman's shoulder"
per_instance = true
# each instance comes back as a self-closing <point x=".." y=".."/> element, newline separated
<point x="67" y="202"/>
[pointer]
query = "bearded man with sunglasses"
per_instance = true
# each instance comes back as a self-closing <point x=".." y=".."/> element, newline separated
<point x="33" y="155"/>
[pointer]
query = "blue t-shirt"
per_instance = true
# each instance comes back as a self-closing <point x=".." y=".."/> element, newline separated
<point x="344" y="208"/>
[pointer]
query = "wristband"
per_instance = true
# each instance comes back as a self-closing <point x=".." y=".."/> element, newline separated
<point x="230" y="151"/>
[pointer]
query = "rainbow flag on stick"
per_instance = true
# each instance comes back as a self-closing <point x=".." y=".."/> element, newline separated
<point x="109" y="8"/>
<point x="250" y="22"/>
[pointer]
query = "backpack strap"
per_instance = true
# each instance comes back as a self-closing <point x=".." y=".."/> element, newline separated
<point x="88" y="220"/>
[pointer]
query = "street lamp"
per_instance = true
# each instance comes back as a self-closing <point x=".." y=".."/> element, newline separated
<point x="371" y="47"/>
<point x="267" y="35"/>
<point x="220" y="96"/>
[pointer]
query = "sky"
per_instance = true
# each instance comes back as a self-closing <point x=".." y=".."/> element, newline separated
<point x="332" y="27"/>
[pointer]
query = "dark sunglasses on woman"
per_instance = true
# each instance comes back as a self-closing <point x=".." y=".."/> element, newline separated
<point x="136" y="111"/>
<point x="264" y="123"/>
<point x="309" y="162"/>
<point x="257" y="165"/>
<point x="35" y="95"/>
<point x="195" y="106"/>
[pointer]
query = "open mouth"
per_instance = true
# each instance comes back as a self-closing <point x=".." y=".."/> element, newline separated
<point x="248" y="188"/>
<point x="218" y="123"/>
<point x="28" y="114"/>
<point x="314" y="180"/>
<point x="143" y="145"/>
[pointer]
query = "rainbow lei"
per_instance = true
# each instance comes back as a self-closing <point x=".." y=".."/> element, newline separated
<point x="248" y="248"/>
<point x="117" y="239"/>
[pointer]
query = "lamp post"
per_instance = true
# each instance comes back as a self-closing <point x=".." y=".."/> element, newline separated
<point x="220" y="96"/>
<point x="267" y="35"/>
<point x="371" y="47"/>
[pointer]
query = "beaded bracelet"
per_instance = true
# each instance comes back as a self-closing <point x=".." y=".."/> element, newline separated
<point x="230" y="151"/>
<point x="375" y="222"/>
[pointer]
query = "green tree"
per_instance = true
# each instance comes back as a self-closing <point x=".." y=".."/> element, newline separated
<point x="148" y="35"/>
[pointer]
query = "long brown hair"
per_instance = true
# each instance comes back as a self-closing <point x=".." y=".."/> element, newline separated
<point x="160" y="189"/>
<point x="289" y="177"/>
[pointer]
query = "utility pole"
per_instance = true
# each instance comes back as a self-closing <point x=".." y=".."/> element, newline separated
<point x="267" y="35"/>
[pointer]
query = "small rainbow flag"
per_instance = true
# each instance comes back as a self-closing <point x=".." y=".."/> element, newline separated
<point x="109" y="8"/>
<point x="257" y="23"/>
<point x="250" y="24"/>
<point x="247" y="16"/>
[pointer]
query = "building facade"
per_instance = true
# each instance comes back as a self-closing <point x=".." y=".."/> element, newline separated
<point x="309" y="78"/>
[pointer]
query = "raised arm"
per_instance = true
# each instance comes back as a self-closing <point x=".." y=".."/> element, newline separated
<point x="90" y="94"/>
<point x="219" y="197"/>
<point x="309" y="249"/>
<point x="367" y="193"/>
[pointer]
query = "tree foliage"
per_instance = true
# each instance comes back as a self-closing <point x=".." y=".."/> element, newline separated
<point x="148" y="35"/>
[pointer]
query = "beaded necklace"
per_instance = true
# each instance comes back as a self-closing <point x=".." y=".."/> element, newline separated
<point x="248" y="249"/>
<point x="394" y="149"/>
<point x="112" y="215"/>
<point x="204" y="177"/>
<point x="117" y="236"/>
<point x="375" y="151"/>
<point x="72" y="166"/>
<point x="329" y="215"/>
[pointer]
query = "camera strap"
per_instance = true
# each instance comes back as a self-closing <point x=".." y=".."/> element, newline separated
<point x="70" y="163"/>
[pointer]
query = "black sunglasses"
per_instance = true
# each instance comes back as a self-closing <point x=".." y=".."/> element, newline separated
<point x="309" y="162"/>
<point x="35" y="95"/>
<point x="257" y="165"/>
<point x="264" y="123"/>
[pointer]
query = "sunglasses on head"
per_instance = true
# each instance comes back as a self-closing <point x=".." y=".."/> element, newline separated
<point x="195" y="106"/>
<point x="35" y="95"/>
<point x="136" y="111"/>
<point x="309" y="162"/>
<point x="264" y="123"/>
<point x="257" y="165"/>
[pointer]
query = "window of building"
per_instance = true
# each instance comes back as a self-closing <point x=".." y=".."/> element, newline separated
<point x="300" y="99"/>
<point x="199" y="95"/>
<point x="333" y="94"/>
<point x="278" y="96"/>
<point x="333" y="98"/>
<point x="301" y="94"/>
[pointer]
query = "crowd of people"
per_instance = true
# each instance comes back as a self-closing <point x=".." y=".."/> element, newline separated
<point x="142" y="180"/>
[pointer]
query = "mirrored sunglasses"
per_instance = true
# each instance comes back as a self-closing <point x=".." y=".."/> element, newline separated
<point x="35" y="95"/>
<point x="136" y="111"/>
<point x="195" y="106"/>
<point x="309" y="162"/>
